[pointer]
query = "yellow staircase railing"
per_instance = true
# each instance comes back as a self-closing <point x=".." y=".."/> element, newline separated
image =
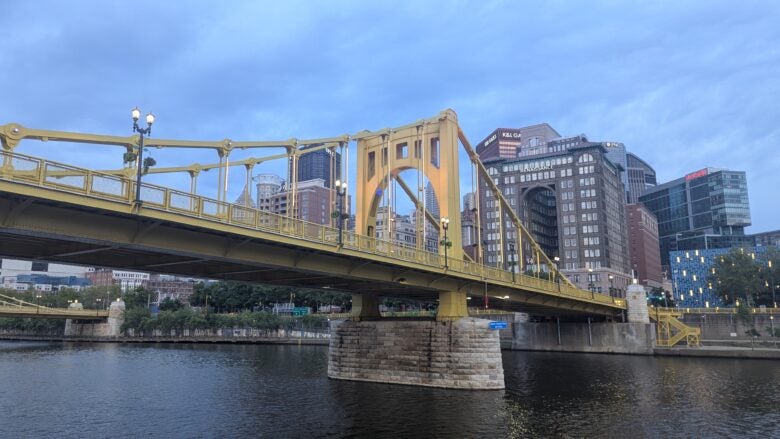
<point x="672" y="331"/>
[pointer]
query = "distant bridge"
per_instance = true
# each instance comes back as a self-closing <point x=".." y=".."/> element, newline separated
<point x="13" y="307"/>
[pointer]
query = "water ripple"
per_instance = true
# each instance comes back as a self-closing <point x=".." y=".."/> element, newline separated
<point x="73" y="390"/>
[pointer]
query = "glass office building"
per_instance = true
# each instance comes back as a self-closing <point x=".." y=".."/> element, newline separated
<point x="705" y="209"/>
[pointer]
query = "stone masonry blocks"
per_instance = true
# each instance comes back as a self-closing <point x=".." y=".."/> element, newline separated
<point x="459" y="354"/>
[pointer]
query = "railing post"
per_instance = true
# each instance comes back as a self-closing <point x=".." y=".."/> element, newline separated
<point x="88" y="183"/>
<point x="41" y="172"/>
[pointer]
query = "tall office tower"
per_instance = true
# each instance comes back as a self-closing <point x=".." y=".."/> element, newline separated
<point x="570" y="197"/>
<point x="616" y="153"/>
<point x="636" y="174"/>
<point x="431" y="204"/>
<point x="705" y="209"/>
<point x="324" y="164"/>
<point x="640" y="177"/>
<point x="469" y="201"/>
<point x="643" y="249"/>
<point x="313" y="202"/>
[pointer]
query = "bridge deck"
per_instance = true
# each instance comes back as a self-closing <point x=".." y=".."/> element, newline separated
<point x="86" y="217"/>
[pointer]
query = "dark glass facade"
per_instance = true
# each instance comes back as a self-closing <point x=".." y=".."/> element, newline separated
<point x="319" y="164"/>
<point x="639" y="176"/>
<point x="705" y="209"/>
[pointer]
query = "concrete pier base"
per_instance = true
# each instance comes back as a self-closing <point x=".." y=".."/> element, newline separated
<point x="110" y="328"/>
<point x="458" y="354"/>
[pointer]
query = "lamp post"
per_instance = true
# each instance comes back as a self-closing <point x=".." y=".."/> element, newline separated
<point x="556" y="260"/>
<point x="611" y="288"/>
<point x="136" y="114"/>
<point x="445" y="224"/>
<point x="591" y="286"/>
<point x="772" y="284"/>
<point x="341" y="192"/>
<point x="512" y="262"/>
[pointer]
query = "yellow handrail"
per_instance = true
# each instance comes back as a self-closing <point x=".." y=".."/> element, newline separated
<point x="119" y="188"/>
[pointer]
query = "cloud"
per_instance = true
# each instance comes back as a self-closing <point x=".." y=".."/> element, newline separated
<point x="682" y="85"/>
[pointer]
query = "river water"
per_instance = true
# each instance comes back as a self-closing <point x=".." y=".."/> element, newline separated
<point x="73" y="390"/>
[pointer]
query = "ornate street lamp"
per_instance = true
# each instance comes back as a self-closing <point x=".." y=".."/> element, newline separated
<point x="611" y="287"/>
<point x="136" y="114"/>
<point x="591" y="285"/>
<point x="772" y="284"/>
<point x="512" y="262"/>
<point x="341" y="192"/>
<point x="445" y="224"/>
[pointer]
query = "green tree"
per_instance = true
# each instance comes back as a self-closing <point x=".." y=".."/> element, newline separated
<point x="657" y="296"/>
<point x="736" y="276"/>
<point x="138" y="298"/>
<point x="135" y="318"/>
<point x="769" y="268"/>
<point x="169" y="304"/>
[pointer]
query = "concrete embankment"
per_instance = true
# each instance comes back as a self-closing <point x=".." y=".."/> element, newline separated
<point x="212" y="340"/>
<point x="720" y="352"/>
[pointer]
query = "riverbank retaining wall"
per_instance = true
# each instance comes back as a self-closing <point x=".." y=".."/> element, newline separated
<point x="462" y="354"/>
<point x="731" y="326"/>
<point x="602" y="337"/>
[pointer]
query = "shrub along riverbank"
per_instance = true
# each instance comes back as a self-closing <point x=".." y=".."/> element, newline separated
<point x="139" y="319"/>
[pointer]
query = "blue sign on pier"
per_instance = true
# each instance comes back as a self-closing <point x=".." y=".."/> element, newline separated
<point x="497" y="325"/>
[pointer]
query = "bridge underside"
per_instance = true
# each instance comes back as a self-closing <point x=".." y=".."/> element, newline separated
<point x="42" y="224"/>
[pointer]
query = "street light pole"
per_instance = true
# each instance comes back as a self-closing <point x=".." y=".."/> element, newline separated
<point x="512" y="259"/>
<point x="611" y="288"/>
<point x="445" y="224"/>
<point x="341" y="192"/>
<point x="772" y="284"/>
<point x="557" y="274"/>
<point x="136" y="114"/>
<point x="591" y="286"/>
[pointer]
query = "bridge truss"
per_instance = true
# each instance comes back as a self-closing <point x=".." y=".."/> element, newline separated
<point x="430" y="145"/>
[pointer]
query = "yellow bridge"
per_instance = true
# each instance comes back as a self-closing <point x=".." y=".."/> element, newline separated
<point x="13" y="307"/>
<point x="57" y="212"/>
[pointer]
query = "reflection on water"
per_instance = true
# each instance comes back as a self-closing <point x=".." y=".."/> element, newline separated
<point x="78" y="390"/>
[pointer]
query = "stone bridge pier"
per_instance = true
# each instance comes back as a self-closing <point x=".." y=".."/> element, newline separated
<point x="87" y="328"/>
<point x="452" y="351"/>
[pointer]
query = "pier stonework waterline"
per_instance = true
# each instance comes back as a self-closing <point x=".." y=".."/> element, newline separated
<point x="459" y="354"/>
<point x="105" y="328"/>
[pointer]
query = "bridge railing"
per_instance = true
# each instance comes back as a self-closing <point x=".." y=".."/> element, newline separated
<point x="45" y="173"/>
<point x="721" y="310"/>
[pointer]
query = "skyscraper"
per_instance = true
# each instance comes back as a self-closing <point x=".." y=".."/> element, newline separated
<point x="705" y="209"/>
<point x="568" y="194"/>
<point x="643" y="249"/>
<point x="639" y="177"/>
<point x="324" y="164"/>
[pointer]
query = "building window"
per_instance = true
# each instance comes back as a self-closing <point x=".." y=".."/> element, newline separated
<point x="585" y="158"/>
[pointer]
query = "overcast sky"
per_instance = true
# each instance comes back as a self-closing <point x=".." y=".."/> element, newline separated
<point x="684" y="85"/>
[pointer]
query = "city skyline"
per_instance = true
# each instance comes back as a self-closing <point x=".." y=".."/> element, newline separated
<point x="682" y="86"/>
